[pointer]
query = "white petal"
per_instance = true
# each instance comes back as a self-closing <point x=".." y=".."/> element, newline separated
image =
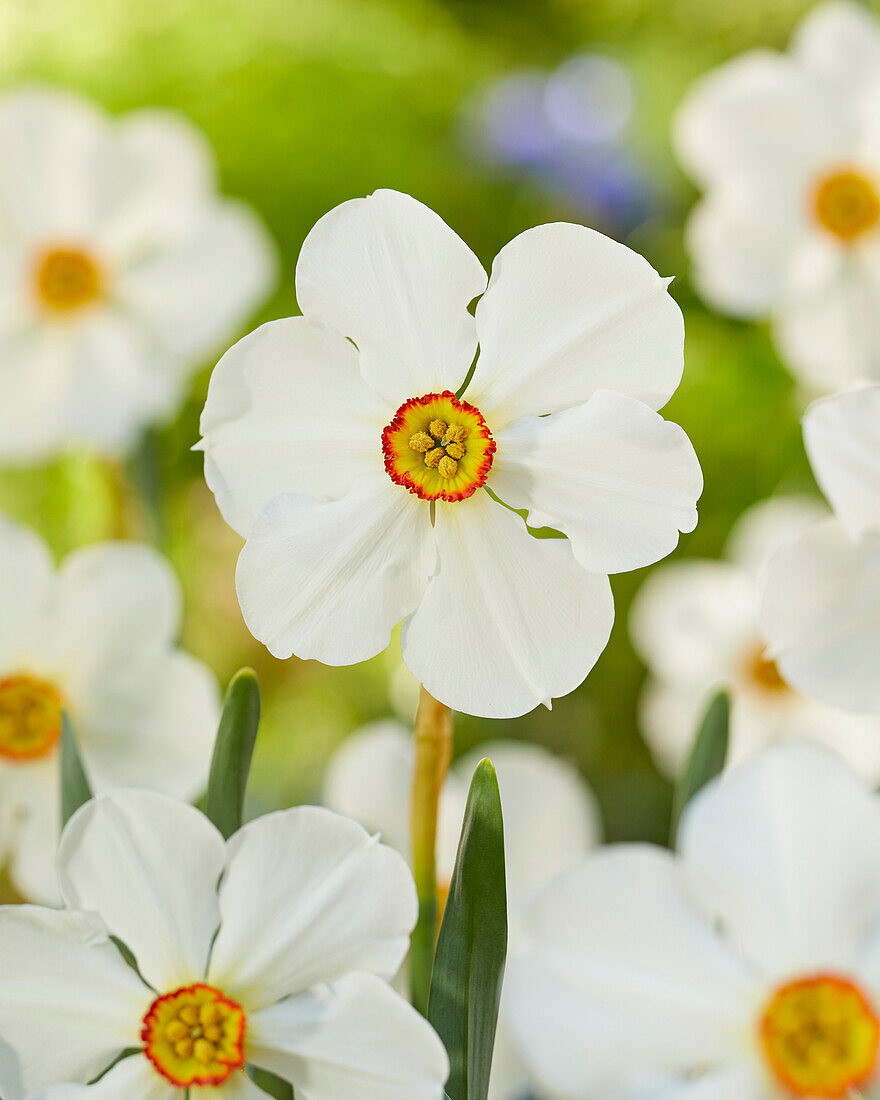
<point x="355" y="1038"/>
<point x="838" y="43"/>
<point x="115" y="603"/>
<point x="830" y="336"/>
<point x="330" y="579"/>
<point x="238" y="1087"/>
<point x="132" y="1079"/>
<point x="339" y="901"/>
<point x="567" y="312"/>
<point x="613" y="475"/>
<point x="288" y="412"/>
<point x="757" y="112"/>
<point x="149" y="866"/>
<point x="388" y="273"/>
<point x="783" y="853"/>
<point x="767" y="526"/>
<point x="68" y="1003"/>
<point x="26" y="570"/>
<point x="551" y="817"/>
<point x="744" y="1079"/>
<point x="622" y="976"/>
<point x="821" y="615"/>
<point x="35" y="792"/>
<point x="691" y="621"/>
<point x="842" y="437"/>
<point x="194" y="294"/>
<point x="669" y="715"/>
<point x="152" y="724"/>
<point x="509" y="621"/>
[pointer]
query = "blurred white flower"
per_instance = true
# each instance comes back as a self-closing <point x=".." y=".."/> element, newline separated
<point x="696" y="624"/>
<point x="280" y="965"/>
<point x="95" y="638"/>
<point x="551" y="820"/>
<point x="335" y="446"/>
<point x="120" y="270"/>
<point x="745" y="968"/>
<point x="821" y="593"/>
<point x="787" y="147"/>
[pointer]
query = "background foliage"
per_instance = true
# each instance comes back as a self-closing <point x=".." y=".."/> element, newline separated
<point x="310" y="102"/>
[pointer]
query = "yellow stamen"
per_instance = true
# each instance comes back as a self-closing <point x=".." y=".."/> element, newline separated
<point x="455" y="450"/>
<point x="437" y="428"/>
<point x="847" y="204"/>
<point x="432" y="458"/>
<point x="195" y="1036"/>
<point x="66" y="279"/>
<point x="30" y="717"/>
<point x="421" y="441"/>
<point x="447" y="467"/>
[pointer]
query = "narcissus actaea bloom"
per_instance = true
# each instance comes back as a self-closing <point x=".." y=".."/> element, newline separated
<point x="821" y="592"/>
<point x="746" y="967"/>
<point x="95" y="638"/>
<point x="787" y="148"/>
<point x="120" y="270"/>
<point x="696" y="624"/>
<point x="368" y="482"/>
<point x="269" y="950"/>
<point x="551" y="821"/>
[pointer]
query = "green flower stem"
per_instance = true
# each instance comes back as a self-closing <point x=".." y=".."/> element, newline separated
<point x="433" y="752"/>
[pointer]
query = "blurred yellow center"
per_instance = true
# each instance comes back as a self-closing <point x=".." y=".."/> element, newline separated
<point x="438" y="447"/>
<point x="30" y="717"/>
<point x="195" y="1036"/>
<point x="67" y="278"/>
<point x="847" y="204"/>
<point x="820" y="1036"/>
<point x="764" y="672"/>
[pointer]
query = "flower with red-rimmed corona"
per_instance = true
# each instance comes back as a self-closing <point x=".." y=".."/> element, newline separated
<point x="744" y="967"/>
<point x="787" y="149"/>
<point x="121" y="268"/>
<point x="96" y="637"/>
<point x="376" y="469"/>
<point x="269" y="950"/>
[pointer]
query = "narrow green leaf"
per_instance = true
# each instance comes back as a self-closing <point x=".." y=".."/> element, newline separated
<point x="233" y="749"/>
<point x="472" y="946"/>
<point x="75" y="787"/>
<point x="270" y="1084"/>
<point x="707" y="756"/>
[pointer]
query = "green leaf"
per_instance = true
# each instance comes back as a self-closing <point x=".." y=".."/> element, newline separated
<point x="233" y="749"/>
<point x="270" y="1084"/>
<point x="75" y="787"/>
<point x="707" y="756"/>
<point x="472" y="946"/>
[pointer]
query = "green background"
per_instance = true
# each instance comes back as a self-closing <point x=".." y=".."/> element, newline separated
<point x="310" y="102"/>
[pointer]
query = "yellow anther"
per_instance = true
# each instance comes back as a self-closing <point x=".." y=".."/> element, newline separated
<point x="176" y="1031"/>
<point x="184" y="1048"/>
<point x="432" y="458"/>
<point x="204" y="1051"/>
<point x="190" y="1015"/>
<point x="447" y="467"/>
<point x="213" y="1033"/>
<point x="455" y="433"/>
<point x="210" y="1013"/>
<point x="455" y="450"/>
<point x="437" y="428"/>
<point x="421" y="441"/>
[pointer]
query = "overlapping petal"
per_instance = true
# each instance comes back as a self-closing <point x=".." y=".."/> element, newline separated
<point x="838" y="43"/>
<point x="388" y="273"/>
<point x="568" y="312"/>
<point x="330" y="579"/>
<point x="68" y="1003"/>
<point x="612" y="475"/>
<point x="288" y="412"/>
<point x="26" y="572"/>
<point x="353" y="1038"/>
<point x="508" y="621"/>
<point x="149" y="866"/>
<point x="341" y="902"/>
<point x="133" y="1078"/>
<point x="794" y="888"/>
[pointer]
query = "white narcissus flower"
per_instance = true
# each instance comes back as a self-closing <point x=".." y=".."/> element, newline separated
<point x="551" y="820"/>
<point x="787" y="148"/>
<point x="95" y="638"/>
<point x="120" y="270"/>
<point x="747" y="967"/>
<point x="821" y="593"/>
<point x="696" y="624"/>
<point x="269" y="950"/>
<point x="335" y="445"/>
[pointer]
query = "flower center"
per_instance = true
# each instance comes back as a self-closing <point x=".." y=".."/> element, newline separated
<point x="820" y="1036"/>
<point x="847" y="204"/>
<point x="438" y="447"/>
<point x="30" y="717"/>
<point x="67" y="278"/>
<point x="195" y="1036"/>
<point x="764" y="672"/>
